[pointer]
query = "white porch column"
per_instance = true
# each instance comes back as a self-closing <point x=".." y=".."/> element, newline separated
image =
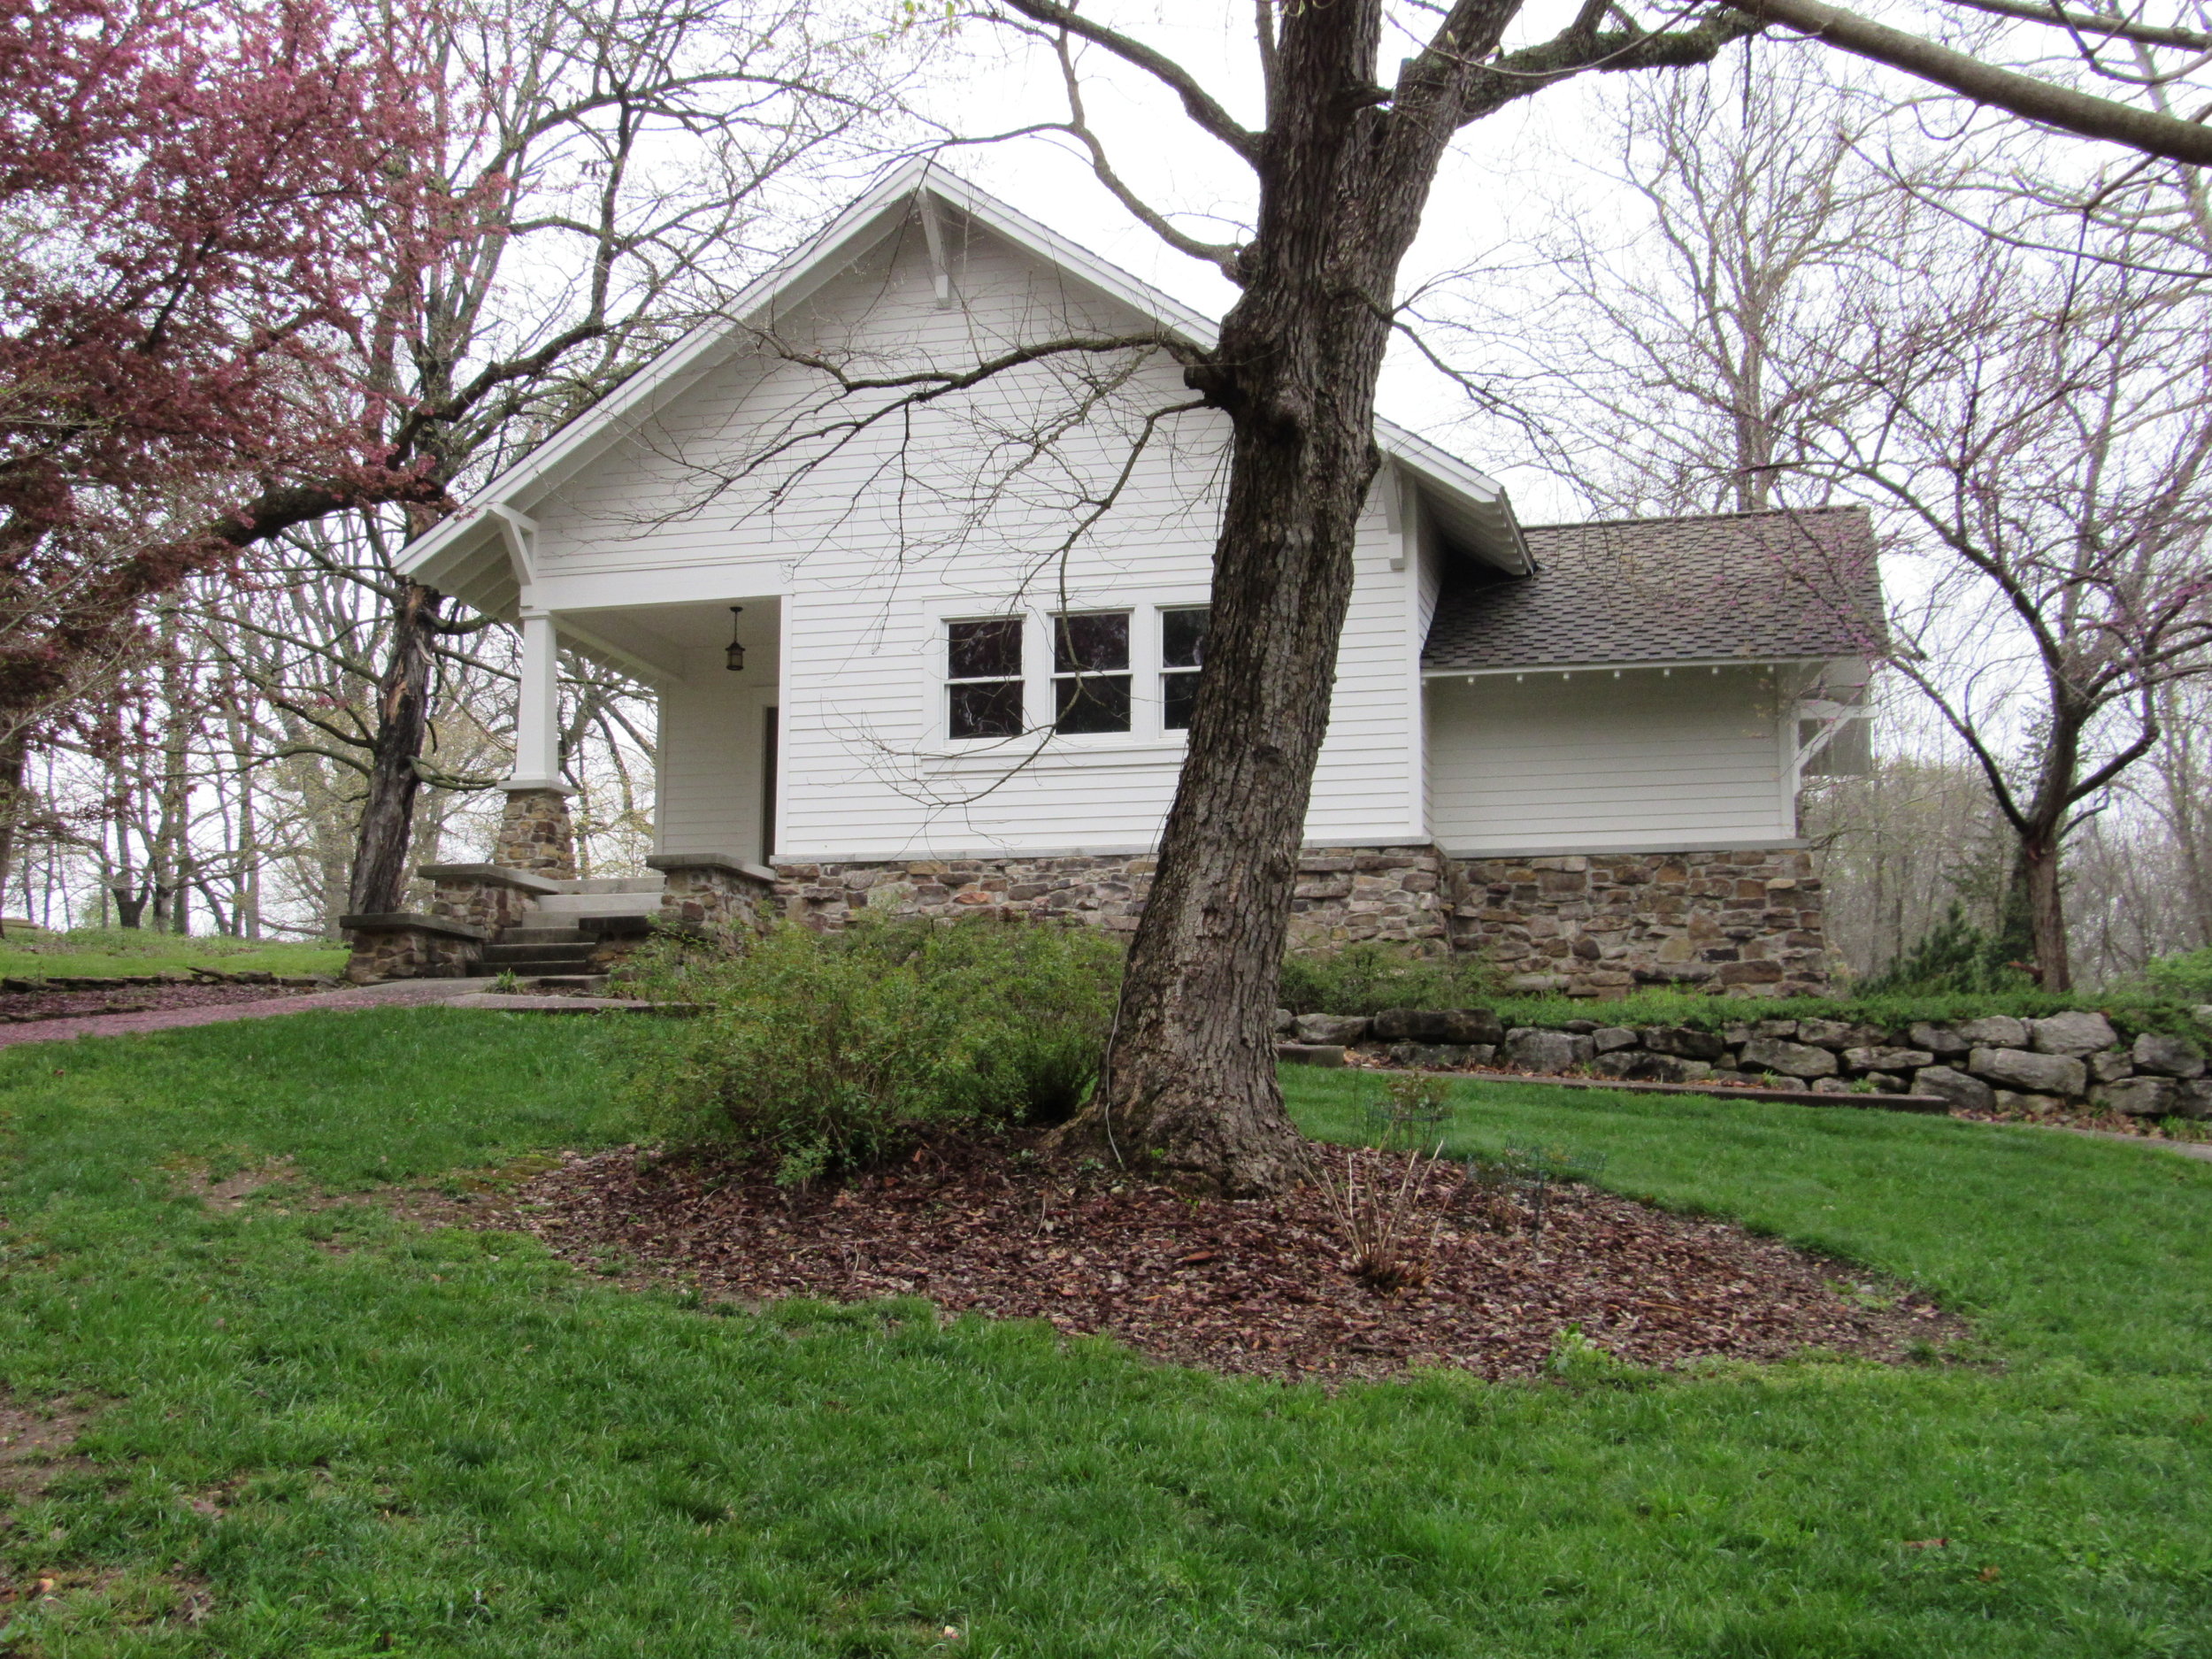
<point x="534" y="831"/>
<point x="538" y="708"/>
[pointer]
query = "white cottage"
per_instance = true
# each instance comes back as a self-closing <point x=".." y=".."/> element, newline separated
<point x="969" y="617"/>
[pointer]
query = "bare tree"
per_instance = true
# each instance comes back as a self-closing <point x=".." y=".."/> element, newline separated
<point x="1342" y="162"/>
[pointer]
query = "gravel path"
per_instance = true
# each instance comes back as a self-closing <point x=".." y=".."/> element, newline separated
<point x="398" y="994"/>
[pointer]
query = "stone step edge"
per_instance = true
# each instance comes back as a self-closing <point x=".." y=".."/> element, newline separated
<point x="1320" y="1054"/>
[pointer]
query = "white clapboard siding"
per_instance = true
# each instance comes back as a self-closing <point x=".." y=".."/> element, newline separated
<point x="1593" y="763"/>
<point x="708" y="769"/>
<point x="888" y="530"/>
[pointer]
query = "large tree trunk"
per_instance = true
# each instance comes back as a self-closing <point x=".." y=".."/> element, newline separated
<point x="402" y="719"/>
<point x="2039" y="888"/>
<point x="1190" y="1089"/>
<point x="15" y="766"/>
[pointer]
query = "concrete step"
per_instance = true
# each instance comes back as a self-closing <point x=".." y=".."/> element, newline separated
<point x="592" y="983"/>
<point x="615" y="884"/>
<point x="553" y="909"/>
<point x="544" y="936"/>
<point x="537" y="958"/>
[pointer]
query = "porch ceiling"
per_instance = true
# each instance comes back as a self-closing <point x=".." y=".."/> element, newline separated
<point x="667" y="642"/>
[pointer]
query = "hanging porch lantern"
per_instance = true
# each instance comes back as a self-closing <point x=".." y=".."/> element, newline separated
<point x="735" y="654"/>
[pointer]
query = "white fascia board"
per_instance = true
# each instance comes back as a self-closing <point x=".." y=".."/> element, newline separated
<point x="845" y="239"/>
<point x="1618" y="669"/>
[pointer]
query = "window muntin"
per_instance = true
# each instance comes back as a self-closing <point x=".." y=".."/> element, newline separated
<point x="983" y="678"/>
<point x="1090" y="672"/>
<point x="1182" y="653"/>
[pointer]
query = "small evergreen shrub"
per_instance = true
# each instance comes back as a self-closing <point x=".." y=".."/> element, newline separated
<point x="1365" y="979"/>
<point x="2185" y="976"/>
<point x="837" y="1051"/>
<point x="1954" y="955"/>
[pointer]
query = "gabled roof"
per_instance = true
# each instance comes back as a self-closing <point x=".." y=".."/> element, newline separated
<point x="1470" y="507"/>
<point x="1751" y="587"/>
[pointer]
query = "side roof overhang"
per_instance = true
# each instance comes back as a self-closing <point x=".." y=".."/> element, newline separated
<point x="484" y="553"/>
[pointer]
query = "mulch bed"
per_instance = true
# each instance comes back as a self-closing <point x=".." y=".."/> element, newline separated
<point x="16" y="1006"/>
<point x="1259" y="1286"/>
<point x="2108" y="1122"/>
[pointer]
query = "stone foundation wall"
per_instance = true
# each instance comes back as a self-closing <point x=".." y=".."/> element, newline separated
<point x="536" y="834"/>
<point x="1746" y="923"/>
<point x="1106" y="891"/>
<point x="1400" y="895"/>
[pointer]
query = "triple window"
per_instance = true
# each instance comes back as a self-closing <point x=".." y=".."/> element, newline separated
<point x="1093" y="675"/>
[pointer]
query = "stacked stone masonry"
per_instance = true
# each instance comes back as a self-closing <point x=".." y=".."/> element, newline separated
<point x="536" y="834"/>
<point x="2068" y="1062"/>
<point x="713" y="895"/>
<point x="411" y="947"/>
<point x="1747" y="923"/>
<point x="483" y="895"/>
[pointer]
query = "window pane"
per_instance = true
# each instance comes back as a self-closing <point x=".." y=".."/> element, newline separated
<point x="988" y="649"/>
<point x="985" y="707"/>
<point x="1095" y="703"/>
<point x="1179" y="695"/>
<point x="1091" y="644"/>
<point x="1183" y="638"/>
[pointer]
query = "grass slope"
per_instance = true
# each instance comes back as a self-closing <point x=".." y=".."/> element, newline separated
<point x="99" y="953"/>
<point x="354" y="1436"/>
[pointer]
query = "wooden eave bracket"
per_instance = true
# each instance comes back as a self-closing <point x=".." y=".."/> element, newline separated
<point x="934" y="234"/>
<point x="520" y="533"/>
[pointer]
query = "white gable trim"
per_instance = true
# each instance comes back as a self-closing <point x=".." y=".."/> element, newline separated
<point x="1467" y="501"/>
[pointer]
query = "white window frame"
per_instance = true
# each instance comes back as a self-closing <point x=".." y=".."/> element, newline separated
<point x="941" y="647"/>
<point x="1145" y="734"/>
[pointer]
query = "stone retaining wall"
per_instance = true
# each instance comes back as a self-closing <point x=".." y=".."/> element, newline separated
<point x="2068" y="1062"/>
<point x="488" y="896"/>
<point x="400" y="946"/>
<point x="707" y="893"/>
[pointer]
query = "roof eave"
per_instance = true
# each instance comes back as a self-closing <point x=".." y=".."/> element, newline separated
<point x="1632" y="665"/>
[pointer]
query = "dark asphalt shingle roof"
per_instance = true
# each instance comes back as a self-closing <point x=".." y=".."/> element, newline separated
<point x="1760" y="586"/>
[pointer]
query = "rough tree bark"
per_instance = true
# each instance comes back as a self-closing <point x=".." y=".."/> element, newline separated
<point x="15" y="761"/>
<point x="1190" y="1088"/>
<point x="403" y="712"/>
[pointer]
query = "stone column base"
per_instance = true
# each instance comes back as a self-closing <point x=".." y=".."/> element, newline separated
<point x="535" y="834"/>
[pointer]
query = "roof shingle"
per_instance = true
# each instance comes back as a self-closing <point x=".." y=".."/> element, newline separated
<point x="1760" y="586"/>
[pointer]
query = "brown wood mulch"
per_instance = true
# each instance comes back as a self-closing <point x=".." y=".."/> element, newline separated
<point x="1258" y="1287"/>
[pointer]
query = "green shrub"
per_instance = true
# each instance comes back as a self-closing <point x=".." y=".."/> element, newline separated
<point x="836" y="1051"/>
<point x="1954" y="955"/>
<point x="1366" y="979"/>
<point x="2186" y="975"/>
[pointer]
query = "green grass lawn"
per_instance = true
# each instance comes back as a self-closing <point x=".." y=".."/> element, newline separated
<point x="341" y="1435"/>
<point x="96" y="952"/>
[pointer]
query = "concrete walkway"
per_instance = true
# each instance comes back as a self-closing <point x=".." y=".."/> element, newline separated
<point x="399" y="993"/>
